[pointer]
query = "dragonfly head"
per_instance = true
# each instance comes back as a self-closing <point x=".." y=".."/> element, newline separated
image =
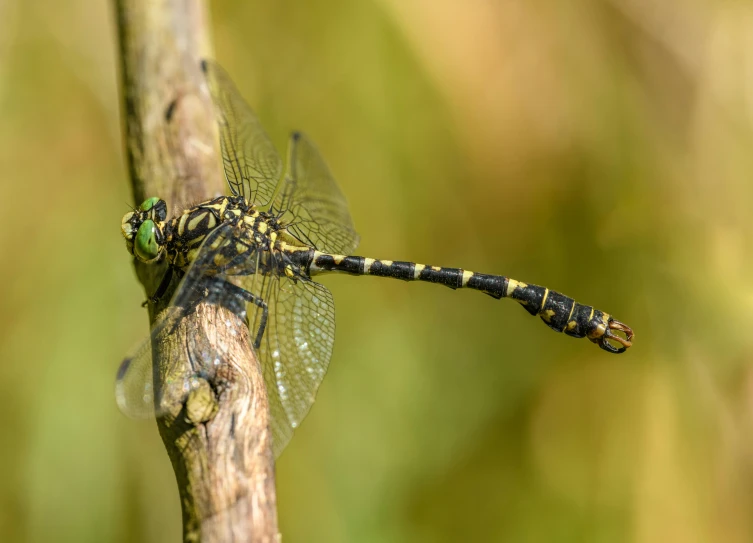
<point x="142" y="229"/>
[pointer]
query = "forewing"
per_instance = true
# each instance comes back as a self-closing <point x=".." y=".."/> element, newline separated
<point x="134" y="390"/>
<point x="252" y="165"/>
<point x="313" y="204"/>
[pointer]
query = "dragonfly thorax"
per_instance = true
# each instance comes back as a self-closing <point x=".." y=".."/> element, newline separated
<point x="148" y="235"/>
<point x="185" y="233"/>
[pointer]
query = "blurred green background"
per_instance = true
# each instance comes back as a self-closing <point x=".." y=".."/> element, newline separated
<point x="601" y="148"/>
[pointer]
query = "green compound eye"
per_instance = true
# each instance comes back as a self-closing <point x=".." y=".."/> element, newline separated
<point x="145" y="246"/>
<point x="149" y="204"/>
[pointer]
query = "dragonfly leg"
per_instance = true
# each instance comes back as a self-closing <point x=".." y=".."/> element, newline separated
<point x="251" y="298"/>
<point x="263" y="324"/>
<point x="161" y="289"/>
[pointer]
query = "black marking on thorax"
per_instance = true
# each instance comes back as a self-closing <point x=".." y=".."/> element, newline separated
<point x="186" y="232"/>
<point x="189" y="229"/>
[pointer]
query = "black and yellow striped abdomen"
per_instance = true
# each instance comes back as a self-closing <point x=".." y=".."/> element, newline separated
<point x="561" y="313"/>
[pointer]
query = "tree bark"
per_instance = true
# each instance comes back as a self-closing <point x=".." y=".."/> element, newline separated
<point x="217" y="436"/>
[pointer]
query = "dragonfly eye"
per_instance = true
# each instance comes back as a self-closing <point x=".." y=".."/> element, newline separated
<point x="147" y="245"/>
<point x="155" y="207"/>
<point x="148" y="203"/>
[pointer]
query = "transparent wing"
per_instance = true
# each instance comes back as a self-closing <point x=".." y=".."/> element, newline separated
<point x="134" y="391"/>
<point x="295" y="350"/>
<point x="219" y="257"/>
<point x="313" y="204"/>
<point x="252" y="165"/>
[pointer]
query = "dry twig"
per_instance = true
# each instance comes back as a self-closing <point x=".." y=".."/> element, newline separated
<point x="217" y="439"/>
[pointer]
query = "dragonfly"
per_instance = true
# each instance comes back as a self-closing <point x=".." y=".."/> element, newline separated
<point x="259" y="249"/>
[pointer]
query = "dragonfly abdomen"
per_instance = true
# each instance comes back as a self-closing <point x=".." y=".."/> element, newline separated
<point x="561" y="313"/>
<point x="396" y="269"/>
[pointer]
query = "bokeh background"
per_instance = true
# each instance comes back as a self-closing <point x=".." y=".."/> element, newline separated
<point x="601" y="148"/>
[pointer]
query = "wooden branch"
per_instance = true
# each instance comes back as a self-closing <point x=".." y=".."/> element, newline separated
<point x="217" y="435"/>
